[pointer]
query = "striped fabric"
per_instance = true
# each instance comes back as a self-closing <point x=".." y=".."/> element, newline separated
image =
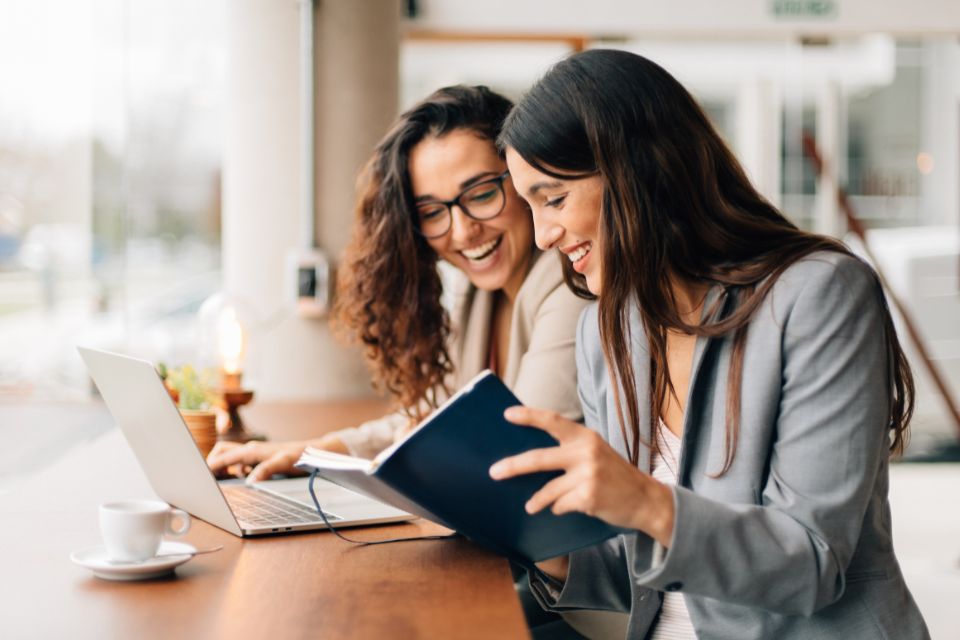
<point x="674" y="621"/>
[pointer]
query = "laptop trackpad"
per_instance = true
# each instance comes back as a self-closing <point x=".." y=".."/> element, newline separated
<point x="296" y="489"/>
<point x="332" y="497"/>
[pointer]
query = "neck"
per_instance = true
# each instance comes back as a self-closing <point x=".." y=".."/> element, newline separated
<point x="512" y="287"/>
<point x="690" y="297"/>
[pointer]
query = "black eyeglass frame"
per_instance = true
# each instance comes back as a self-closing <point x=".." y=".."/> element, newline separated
<point x="448" y="205"/>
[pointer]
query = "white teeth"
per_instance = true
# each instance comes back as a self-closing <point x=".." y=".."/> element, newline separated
<point x="580" y="252"/>
<point x="479" y="252"/>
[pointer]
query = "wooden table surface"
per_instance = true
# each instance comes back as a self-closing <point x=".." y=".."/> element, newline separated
<point x="301" y="586"/>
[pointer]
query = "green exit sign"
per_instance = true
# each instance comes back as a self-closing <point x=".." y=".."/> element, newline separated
<point x="804" y="9"/>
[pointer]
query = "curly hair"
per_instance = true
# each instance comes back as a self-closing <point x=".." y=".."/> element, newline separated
<point x="388" y="287"/>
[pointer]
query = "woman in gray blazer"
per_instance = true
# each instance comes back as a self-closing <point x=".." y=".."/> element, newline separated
<point x="760" y="384"/>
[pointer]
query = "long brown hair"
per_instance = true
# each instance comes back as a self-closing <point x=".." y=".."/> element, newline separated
<point x="388" y="287"/>
<point x="676" y="204"/>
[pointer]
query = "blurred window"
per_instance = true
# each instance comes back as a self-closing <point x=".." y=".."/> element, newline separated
<point x="888" y="147"/>
<point x="110" y="153"/>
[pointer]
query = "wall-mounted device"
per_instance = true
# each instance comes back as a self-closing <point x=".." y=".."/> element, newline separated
<point x="310" y="279"/>
<point x="309" y="270"/>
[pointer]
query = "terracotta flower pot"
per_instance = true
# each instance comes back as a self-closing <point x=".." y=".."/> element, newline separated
<point x="203" y="427"/>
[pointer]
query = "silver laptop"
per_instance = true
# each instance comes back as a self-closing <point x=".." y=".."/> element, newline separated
<point x="178" y="473"/>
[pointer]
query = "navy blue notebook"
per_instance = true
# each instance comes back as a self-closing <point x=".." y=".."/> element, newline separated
<point x="441" y="472"/>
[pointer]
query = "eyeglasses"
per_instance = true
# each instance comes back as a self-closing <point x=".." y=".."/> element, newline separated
<point x="481" y="201"/>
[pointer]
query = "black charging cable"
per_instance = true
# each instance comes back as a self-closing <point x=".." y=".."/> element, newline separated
<point x="316" y="503"/>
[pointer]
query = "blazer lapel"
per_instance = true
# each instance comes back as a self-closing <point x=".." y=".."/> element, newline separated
<point x="641" y="373"/>
<point x="641" y="370"/>
<point x="521" y="320"/>
<point x="476" y="337"/>
<point x="701" y="350"/>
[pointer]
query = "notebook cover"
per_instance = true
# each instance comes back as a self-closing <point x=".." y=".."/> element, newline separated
<point x="444" y="467"/>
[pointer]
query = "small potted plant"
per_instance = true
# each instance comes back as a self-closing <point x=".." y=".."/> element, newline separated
<point x="164" y="374"/>
<point x="196" y="397"/>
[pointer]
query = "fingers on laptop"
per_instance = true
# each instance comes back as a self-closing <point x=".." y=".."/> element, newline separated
<point x="280" y="462"/>
<point x="255" y="460"/>
<point x="235" y="459"/>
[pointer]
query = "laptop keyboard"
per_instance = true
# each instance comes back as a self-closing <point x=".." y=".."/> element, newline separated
<point x="262" y="509"/>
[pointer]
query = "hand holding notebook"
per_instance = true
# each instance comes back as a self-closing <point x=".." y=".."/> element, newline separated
<point x="440" y="471"/>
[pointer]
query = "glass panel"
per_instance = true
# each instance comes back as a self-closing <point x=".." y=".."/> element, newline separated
<point x="110" y="150"/>
<point x="798" y="179"/>
<point x="883" y="141"/>
<point x="892" y="112"/>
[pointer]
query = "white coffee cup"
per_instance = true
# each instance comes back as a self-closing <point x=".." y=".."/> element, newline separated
<point x="132" y="530"/>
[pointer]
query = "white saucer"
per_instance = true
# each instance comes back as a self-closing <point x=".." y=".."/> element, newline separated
<point x="95" y="559"/>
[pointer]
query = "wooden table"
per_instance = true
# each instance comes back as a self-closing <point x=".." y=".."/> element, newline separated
<point x="302" y="586"/>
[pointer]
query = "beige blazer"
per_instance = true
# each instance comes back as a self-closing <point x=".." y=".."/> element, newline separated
<point x="540" y="367"/>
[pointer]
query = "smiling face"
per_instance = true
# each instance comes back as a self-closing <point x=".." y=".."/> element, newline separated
<point x="566" y="215"/>
<point x="493" y="253"/>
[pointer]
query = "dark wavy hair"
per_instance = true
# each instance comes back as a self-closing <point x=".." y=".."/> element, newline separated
<point x="672" y="187"/>
<point x="388" y="287"/>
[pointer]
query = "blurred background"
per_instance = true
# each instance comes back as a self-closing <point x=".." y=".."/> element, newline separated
<point x="159" y="154"/>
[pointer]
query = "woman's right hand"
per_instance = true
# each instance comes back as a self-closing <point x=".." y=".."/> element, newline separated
<point x="595" y="479"/>
<point x="255" y="460"/>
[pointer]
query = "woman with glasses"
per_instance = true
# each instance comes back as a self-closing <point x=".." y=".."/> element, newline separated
<point x="741" y="379"/>
<point x="435" y="189"/>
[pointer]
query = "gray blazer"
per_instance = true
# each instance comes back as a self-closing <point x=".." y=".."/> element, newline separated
<point x="794" y="540"/>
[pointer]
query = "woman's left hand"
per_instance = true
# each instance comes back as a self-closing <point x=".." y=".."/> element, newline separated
<point x="596" y="480"/>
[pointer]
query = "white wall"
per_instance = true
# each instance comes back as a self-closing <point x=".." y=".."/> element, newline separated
<point x="296" y="357"/>
<point x="712" y="18"/>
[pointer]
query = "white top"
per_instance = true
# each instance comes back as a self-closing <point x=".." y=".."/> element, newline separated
<point x="674" y="621"/>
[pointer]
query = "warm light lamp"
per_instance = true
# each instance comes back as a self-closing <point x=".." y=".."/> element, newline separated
<point x="232" y="347"/>
<point x="224" y="331"/>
